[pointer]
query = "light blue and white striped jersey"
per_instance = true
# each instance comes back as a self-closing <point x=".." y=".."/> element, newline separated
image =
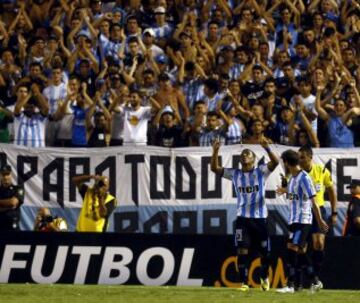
<point x="236" y="71"/>
<point x="234" y="133"/>
<point x="300" y="190"/>
<point x="210" y="102"/>
<point x="112" y="49"/>
<point x="103" y="43"/>
<point x="30" y="131"/>
<point x="250" y="190"/>
<point x="55" y="93"/>
<point x="190" y="89"/>
<point x="164" y="31"/>
<point x="207" y="137"/>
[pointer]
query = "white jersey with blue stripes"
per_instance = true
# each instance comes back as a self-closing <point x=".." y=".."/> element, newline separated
<point x="300" y="191"/>
<point x="30" y="131"/>
<point x="250" y="190"/>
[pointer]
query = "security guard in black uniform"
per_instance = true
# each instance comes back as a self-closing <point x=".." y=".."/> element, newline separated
<point x="11" y="198"/>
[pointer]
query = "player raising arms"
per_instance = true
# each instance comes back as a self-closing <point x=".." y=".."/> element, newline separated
<point x="300" y="193"/>
<point x="251" y="223"/>
<point x="321" y="178"/>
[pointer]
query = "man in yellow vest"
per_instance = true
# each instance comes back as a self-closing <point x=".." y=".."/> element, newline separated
<point x="321" y="178"/>
<point x="98" y="203"/>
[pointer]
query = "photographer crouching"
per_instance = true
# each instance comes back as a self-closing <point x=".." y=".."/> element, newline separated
<point x="44" y="221"/>
<point x="98" y="203"/>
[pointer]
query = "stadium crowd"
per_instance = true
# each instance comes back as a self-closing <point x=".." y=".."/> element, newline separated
<point x="90" y="73"/>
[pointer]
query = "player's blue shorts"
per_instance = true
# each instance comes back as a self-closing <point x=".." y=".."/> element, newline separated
<point x="299" y="234"/>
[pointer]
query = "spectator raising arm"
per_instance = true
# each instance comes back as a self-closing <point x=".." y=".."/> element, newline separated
<point x="321" y="111"/>
<point x="40" y="99"/>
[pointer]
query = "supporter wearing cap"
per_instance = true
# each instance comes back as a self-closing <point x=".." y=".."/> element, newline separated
<point x="330" y="20"/>
<point x="11" y="198"/>
<point x="162" y="29"/>
<point x="168" y="132"/>
<point x="118" y="15"/>
<point x="163" y="65"/>
<point x="148" y="38"/>
<point x="352" y="224"/>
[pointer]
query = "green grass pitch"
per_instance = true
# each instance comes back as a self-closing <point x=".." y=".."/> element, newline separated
<point x="31" y="293"/>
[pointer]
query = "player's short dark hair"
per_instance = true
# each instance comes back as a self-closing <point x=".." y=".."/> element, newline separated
<point x="291" y="157"/>
<point x="306" y="149"/>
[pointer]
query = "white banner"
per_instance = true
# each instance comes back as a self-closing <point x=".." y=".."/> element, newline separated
<point x="151" y="175"/>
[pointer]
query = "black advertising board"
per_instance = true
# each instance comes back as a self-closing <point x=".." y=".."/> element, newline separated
<point x="152" y="259"/>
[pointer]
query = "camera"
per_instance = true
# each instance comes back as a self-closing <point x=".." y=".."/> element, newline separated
<point x="47" y="219"/>
<point x="100" y="183"/>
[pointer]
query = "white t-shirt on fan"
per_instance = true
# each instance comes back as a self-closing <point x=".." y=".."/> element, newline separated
<point x="136" y="125"/>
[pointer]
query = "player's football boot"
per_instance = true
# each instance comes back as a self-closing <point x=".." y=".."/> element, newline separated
<point x="265" y="284"/>
<point x="243" y="287"/>
<point x="286" y="290"/>
<point x="316" y="286"/>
